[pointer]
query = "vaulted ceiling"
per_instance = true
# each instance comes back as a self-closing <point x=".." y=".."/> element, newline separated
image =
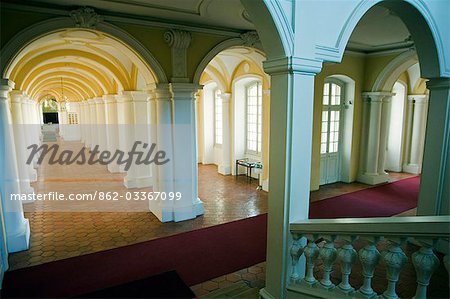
<point x="79" y="64"/>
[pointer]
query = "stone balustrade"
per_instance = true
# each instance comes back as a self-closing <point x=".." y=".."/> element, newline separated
<point x="328" y="242"/>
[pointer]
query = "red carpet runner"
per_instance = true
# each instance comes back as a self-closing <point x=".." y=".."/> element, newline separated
<point x="198" y="255"/>
<point x="380" y="201"/>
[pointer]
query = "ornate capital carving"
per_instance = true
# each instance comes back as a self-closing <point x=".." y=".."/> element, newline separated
<point x="250" y="38"/>
<point x="178" y="39"/>
<point x="85" y="17"/>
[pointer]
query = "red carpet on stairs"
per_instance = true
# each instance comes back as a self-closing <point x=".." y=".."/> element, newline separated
<point x="198" y="255"/>
<point x="380" y="201"/>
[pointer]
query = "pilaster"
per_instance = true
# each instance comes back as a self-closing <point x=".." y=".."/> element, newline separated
<point x="417" y="117"/>
<point x="225" y="167"/>
<point x="17" y="227"/>
<point x="185" y="152"/>
<point x="434" y="195"/>
<point x="291" y="120"/>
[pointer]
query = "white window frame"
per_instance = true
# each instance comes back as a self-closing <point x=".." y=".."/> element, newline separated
<point x="259" y="118"/>
<point x="341" y="115"/>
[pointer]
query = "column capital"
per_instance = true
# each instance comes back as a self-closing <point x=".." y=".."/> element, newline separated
<point x="438" y="83"/>
<point x="178" y="41"/>
<point x="98" y="100"/>
<point x="160" y="92"/>
<point x="109" y="98"/>
<point x="184" y="91"/>
<point x="16" y="96"/>
<point x="292" y="65"/>
<point x="418" y="98"/>
<point x="6" y="86"/>
<point x="124" y="96"/>
<point x="90" y="101"/>
<point x="226" y="97"/>
<point x="377" y="96"/>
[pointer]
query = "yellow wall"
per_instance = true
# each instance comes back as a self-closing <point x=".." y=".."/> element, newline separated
<point x="364" y="70"/>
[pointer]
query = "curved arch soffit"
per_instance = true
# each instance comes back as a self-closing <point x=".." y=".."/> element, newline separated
<point x="419" y="22"/>
<point x="272" y="25"/>
<point x="229" y="43"/>
<point x="74" y="87"/>
<point x="389" y="75"/>
<point x="30" y="34"/>
<point x="56" y="78"/>
<point x="90" y="74"/>
<point x="88" y="80"/>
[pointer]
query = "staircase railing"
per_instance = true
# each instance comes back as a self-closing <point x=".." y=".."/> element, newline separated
<point x="430" y="233"/>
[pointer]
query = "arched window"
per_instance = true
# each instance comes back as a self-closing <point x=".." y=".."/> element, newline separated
<point x="331" y="131"/>
<point x="254" y="118"/>
<point x="218" y="134"/>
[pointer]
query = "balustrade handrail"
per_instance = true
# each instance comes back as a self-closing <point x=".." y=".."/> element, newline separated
<point x="417" y="226"/>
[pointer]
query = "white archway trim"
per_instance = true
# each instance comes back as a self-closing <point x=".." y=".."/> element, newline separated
<point x="229" y="43"/>
<point x="30" y="34"/>
<point x="389" y="75"/>
<point x="333" y="49"/>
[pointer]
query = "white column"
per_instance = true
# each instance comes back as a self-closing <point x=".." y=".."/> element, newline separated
<point x="20" y="141"/>
<point x="62" y="119"/>
<point x="185" y="152"/>
<point x="93" y="140"/>
<point x="101" y="122"/>
<point x="112" y="134"/>
<point x="225" y="167"/>
<point x="17" y="227"/>
<point x="140" y="176"/>
<point x="28" y="127"/>
<point x="87" y="124"/>
<point x="434" y="195"/>
<point x="125" y="120"/>
<point x="161" y="131"/>
<point x="82" y="118"/>
<point x="291" y="119"/>
<point x="374" y="137"/>
<point x="417" y="121"/>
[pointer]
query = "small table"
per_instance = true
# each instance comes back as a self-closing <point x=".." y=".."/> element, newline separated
<point x="249" y="165"/>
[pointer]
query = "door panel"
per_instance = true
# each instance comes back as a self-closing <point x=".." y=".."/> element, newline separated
<point x="330" y="134"/>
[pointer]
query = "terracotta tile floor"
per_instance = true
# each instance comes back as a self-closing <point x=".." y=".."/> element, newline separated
<point x="58" y="235"/>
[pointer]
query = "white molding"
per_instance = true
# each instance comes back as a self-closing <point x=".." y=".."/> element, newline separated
<point x="226" y="44"/>
<point x="133" y="19"/>
<point x="387" y="77"/>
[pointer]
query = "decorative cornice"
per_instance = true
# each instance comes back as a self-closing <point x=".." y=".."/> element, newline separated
<point x="438" y="83"/>
<point x="250" y="38"/>
<point x="85" y="17"/>
<point x="377" y="96"/>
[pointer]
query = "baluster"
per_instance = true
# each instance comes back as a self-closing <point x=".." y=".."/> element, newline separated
<point x="425" y="262"/>
<point x="369" y="257"/>
<point x="328" y="254"/>
<point x="296" y="252"/>
<point x="346" y="257"/>
<point x="311" y="254"/>
<point x="394" y="258"/>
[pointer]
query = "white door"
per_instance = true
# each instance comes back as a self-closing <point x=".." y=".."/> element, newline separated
<point x="330" y="133"/>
